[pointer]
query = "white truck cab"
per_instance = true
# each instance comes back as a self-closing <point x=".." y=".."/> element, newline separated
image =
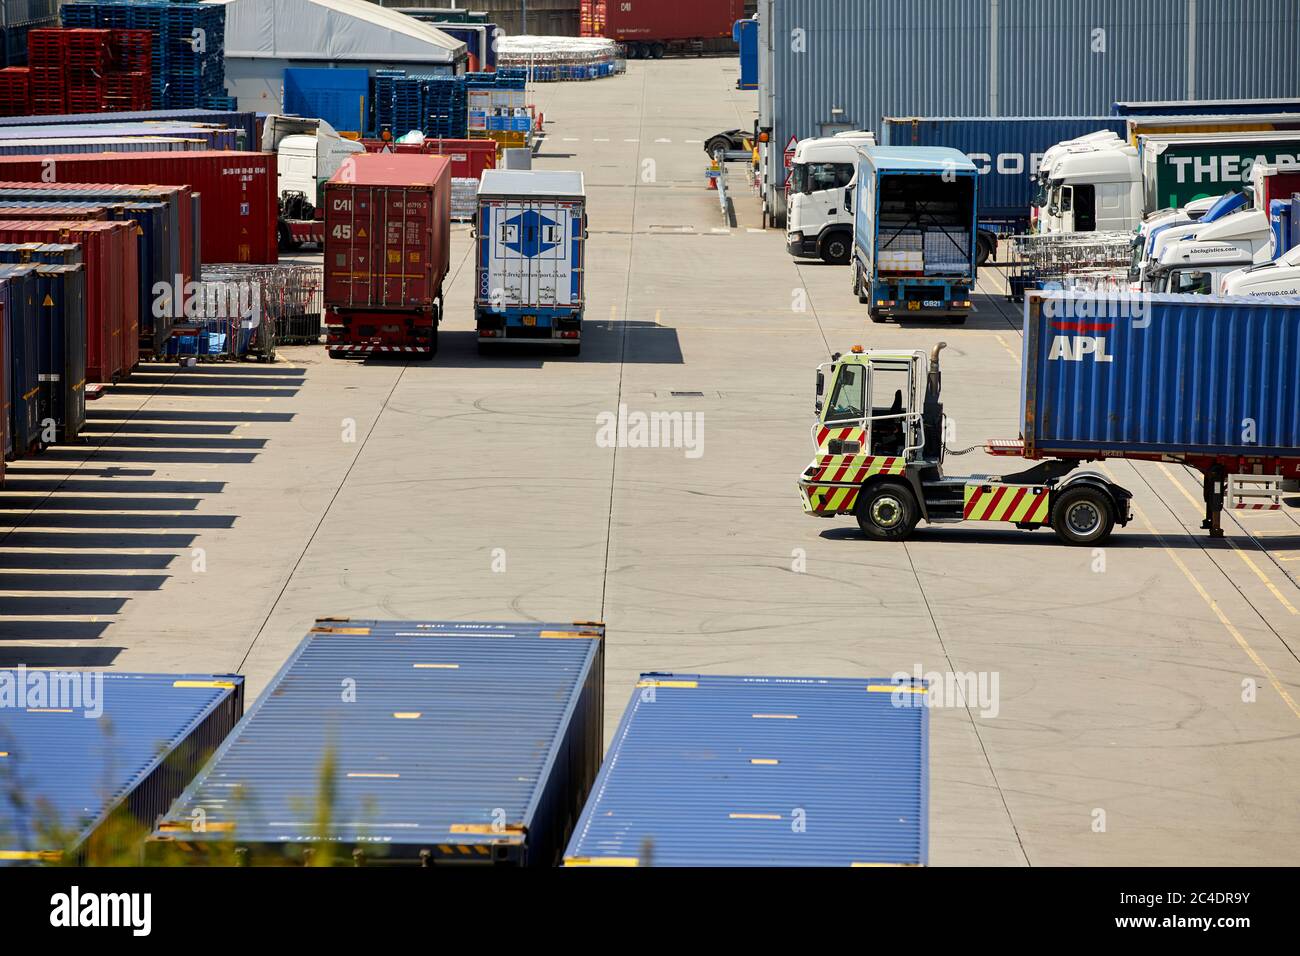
<point x="1102" y="139"/>
<point x="1277" y="279"/>
<point x="1164" y="227"/>
<point x="1094" y="190"/>
<point x="819" y="218"/>
<point x="1198" y="265"/>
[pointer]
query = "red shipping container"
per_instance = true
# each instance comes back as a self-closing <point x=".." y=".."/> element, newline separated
<point x="387" y="252"/>
<point x="648" y="20"/>
<point x="469" y="157"/>
<point x="110" y="254"/>
<point x="176" y="197"/>
<point x="238" y="190"/>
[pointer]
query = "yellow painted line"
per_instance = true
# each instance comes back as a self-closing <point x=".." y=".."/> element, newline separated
<point x="47" y="855"/>
<point x="881" y="864"/>
<point x="775" y="716"/>
<point x="601" y="861"/>
<point x="49" y="710"/>
<point x="439" y="667"/>
<point x="381" y="776"/>
<point x="686" y="684"/>
<point x="900" y="688"/>
<point x="407" y="714"/>
<point x="486" y="829"/>
<point x="4" y="753"/>
<point x="754" y="816"/>
<point x="1268" y="582"/>
<point x="1218" y="612"/>
<point x="764" y="761"/>
<point x="207" y="684"/>
<point x="1003" y="342"/>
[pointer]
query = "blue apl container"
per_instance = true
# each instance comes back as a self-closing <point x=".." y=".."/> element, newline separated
<point x="101" y="754"/>
<point x="762" y="771"/>
<point x="1006" y="150"/>
<point x="1185" y="375"/>
<point x="440" y="742"/>
<point x="22" y="346"/>
<point x="62" y="309"/>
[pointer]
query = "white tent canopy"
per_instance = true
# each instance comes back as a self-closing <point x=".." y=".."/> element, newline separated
<point x="338" y="30"/>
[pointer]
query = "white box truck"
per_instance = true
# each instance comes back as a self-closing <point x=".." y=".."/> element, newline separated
<point x="531" y="234"/>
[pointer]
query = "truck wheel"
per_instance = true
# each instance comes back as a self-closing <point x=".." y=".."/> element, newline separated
<point x="337" y="354"/>
<point x="658" y="50"/>
<point x="986" y="247"/>
<point x="887" y="511"/>
<point x="573" y="351"/>
<point x="875" y="315"/>
<point x="1083" y="515"/>
<point x="835" y="249"/>
<point x="857" y="285"/>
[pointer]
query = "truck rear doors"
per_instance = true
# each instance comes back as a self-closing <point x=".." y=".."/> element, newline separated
<point x="535" y="254"/>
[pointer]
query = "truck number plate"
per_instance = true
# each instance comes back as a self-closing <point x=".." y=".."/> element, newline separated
<point x="931" y="303"/>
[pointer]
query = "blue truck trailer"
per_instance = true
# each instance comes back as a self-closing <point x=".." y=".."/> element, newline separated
<point x="531" y="236"/>
<point x="707" y="770"/>
<point x="1213" y="384"/>
<point x="461" y="743"/>
<point x="1007" y="151"/>
<point x="914" y="232"/>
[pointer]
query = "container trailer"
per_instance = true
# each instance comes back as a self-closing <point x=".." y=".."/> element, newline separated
<point x="914" y="232"/>
<point x="62" y="298"/>
<point x="1204" y="107"/>
<point x="1008" y="152"/>
<point x="42" y="146"/>
<point x="26" y="400"/>
<point x="531" y="234"/>
<point x="709" y="770"/>
<point x="213" y="137"/>
<point x="466" y="743"/>
<point x="387" y="253"/>
<point x="654" y="28"/>
<point x="1095" y="385"/>
<point x="244" y="122"/>
<point x="237" y="190"/>
<point x="93" y="788"/>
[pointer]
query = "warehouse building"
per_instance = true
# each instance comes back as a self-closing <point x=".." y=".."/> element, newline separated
<point x="827" y="67"/>
<point x="264" y="37"/>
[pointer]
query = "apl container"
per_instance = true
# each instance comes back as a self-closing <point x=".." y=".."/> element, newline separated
<point x="239" y="190"/>
<point x="762" y="771"/>
<point x="61" y="295"/>
<point x="100" y="755"/>
<point x="1168" y="374"/>
<point x="22" y="346"/>
<point x="109" y="251"/>
<point x="463" y="743"/>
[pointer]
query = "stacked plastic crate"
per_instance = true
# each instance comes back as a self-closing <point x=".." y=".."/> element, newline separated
<point x="383" y="97"/>
<point x="47" y="52"/>
<point x="15" y="91"/>
<point x="87" y="64"/>
<point x="187" y="46"/>
<point x="497" y="108"/>
<point x="445" y="107"/>
<point x="408" y="106"/>
<point x="127" y="87"/>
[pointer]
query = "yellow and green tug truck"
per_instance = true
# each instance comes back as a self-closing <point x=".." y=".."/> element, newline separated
<point x="880" y="451"/>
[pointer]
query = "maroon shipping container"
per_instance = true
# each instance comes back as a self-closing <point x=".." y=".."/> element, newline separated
<point x="469" y="157"/>
<point x="238" y="189"/>
<point x="177" y="198"/>
<point x="110" y="253"/>
<point x="387" y="252"/>
<point x="79" y="212"/>
<point x="660" y="21"/>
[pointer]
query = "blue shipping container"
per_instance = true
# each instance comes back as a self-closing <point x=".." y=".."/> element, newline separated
<point x="1007" y="151"/>
<point x="336" y="96"/>
<point x="464" y="743"/>
<point x="62" y="295"/>
<point x="22" y="347"/>
<point x="745" y="33"/>
<point x="116" y="752"/>
<point x="775" y="771"/>
<point x="1186" y="374"/>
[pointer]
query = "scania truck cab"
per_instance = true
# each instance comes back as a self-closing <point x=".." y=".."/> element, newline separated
<point x="819" y="218"/>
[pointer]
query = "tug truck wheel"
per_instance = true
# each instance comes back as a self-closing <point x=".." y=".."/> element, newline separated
<point x="1083" y="515"/>
<point x="887" y="511"/>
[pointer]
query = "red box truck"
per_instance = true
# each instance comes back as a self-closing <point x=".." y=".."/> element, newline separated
<point x="387" y="252"/>
<point x="652" y="28"/>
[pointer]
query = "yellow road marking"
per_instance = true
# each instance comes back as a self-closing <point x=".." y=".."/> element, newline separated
<point x="1218" y="612"/>
<point x="1268" y="582"/>
<point x="1003" y="342"/>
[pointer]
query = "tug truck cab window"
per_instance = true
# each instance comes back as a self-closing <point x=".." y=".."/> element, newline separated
<point x="877" y="395"/>
<point x="848" y="397"/>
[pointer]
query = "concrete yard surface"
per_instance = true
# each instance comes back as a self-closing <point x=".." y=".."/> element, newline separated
<point x="1135" y="704"/>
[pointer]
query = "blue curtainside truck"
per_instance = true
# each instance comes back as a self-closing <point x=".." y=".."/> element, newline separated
<point x="914" y="232"/>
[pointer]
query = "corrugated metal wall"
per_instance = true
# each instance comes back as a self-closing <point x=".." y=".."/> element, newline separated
<point x="874" y="58"/>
